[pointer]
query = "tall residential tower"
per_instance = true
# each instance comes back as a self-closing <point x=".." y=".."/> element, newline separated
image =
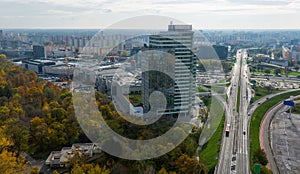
<point x="171" y="69"/>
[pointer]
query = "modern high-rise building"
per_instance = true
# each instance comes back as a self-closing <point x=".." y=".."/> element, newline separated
<point x="171" y="69"/>
<point x="39" y="52"/>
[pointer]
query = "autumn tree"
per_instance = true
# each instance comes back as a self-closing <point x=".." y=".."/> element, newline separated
<point x="2" y="56"/>
<point x="9" y="161"/>
<point x="18" y="134"/>
<point x="89" y="169"/>
<point x="186" y="164"/>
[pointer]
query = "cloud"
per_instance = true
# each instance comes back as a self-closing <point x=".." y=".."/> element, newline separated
<point x="105" y="12"/>
<point x="261" y="2"/>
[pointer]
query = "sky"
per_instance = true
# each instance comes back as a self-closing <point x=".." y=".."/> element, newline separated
<point x="99" y="14"/>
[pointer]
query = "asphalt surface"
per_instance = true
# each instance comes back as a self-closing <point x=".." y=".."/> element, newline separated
<point x="242" y="120"/>
<point x="234" y="150"/>
<point x="263" y="136"/>
<point x="251" y="109"/>
<point x="284" y="136"/>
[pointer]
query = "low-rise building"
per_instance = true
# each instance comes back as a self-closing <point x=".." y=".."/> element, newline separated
<point x="37" y="65"/>
<point x="60" y="159"/>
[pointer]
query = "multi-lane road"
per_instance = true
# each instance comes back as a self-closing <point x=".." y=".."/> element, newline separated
<point x="234" y="150"/>
<point x="241" y="148"/>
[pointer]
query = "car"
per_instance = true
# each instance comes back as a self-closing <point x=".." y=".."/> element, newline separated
<point x="249" y="114"/>
<point x="244" y="132"/>
<point x="267" y="98"/>
<point x="258" y="103"/>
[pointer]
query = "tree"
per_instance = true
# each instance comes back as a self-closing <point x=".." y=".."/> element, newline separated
<point x="185" y="164"/>
<point x="269" y="88"/>
<point x="34" y="170"/>
<point x="2" y="56"/>
<point x="39" y="133"/>
<point x="4" y="141"/>
<point x="162" y="171"/>
<point x="55" y="172"/>
<point x="267" y="71"/>
<point x="277" y="71"/>
<point x="10" y="163"/>
<point x="89" y="169"/>
<point x="260" y="157"/>
<point x="19" y="135"/>
<point x="4" y="113"/>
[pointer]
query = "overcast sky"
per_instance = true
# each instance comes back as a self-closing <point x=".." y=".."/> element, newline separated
<point x="203" y="14"/>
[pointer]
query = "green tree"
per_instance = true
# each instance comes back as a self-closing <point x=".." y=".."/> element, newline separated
<point x="267" y="71"/>
<point x="19" y="135"/>
<point x="260" y="157"/>
<point x="277" y="71"/>
<point x="4" y="113"/>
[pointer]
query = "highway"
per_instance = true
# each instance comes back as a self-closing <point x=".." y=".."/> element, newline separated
<point x="241" y="140"/>
<point x="234" y="149"/>
<point x="234" y="155"/>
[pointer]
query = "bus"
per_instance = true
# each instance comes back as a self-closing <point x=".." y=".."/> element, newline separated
<point x="227" y="129"/>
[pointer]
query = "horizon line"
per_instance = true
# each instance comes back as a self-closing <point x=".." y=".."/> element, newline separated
<point x="77" y="28"/>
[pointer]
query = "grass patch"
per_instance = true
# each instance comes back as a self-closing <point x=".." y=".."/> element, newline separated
<point x="220" y="89"/>
<point x="135" y="99"/>
<point x="199" y="89"/>
<point x="210" y="150"/>
<point x="294" y="73"/>
<point x="261" y="92"/>
<point x="258" y="116"/>
<point x="296" y="108"/>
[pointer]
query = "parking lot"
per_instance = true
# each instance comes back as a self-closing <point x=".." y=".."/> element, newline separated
<point x="285" y="141"/>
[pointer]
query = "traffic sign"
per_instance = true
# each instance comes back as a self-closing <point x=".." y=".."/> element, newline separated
<point x="257" y="168"/>
<point x="289" y="103"/>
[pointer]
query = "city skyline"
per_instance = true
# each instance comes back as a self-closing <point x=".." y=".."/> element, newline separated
<point x="217" y="14"/>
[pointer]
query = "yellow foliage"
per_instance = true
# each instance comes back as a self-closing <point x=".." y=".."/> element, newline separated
<point x="89" y="169"/>
<point x="2" y="56"/>
<point x="9" y="163"/>
<point x="4" y="141"/>
<point x="162" y="171"/>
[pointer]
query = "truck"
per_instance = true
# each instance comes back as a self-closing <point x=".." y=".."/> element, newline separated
<point x="227" y="130"/>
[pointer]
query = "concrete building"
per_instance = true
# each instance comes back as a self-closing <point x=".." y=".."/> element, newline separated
<point x="59" y="70"/>
<point x="280" y="62"/>
<point x="286" y="52"/>
<point x="39" y="52"/>
<point x="174" y="78"/>
<point x="222" y="51"/>
<point x="37" y="65"/>
<point x="60" y="159"/>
